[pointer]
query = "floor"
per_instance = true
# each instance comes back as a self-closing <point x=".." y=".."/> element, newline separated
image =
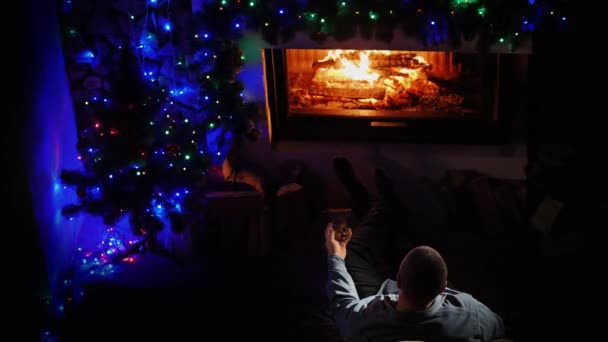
<point x="229" y="296"/>
<point x="232" y="294"/>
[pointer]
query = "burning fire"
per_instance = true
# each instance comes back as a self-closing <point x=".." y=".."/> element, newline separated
<point x="347" y="69"/>
<point x="372" y="79"/>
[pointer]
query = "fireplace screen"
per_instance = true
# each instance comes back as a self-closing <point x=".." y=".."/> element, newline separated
<point x="383" y="83"/>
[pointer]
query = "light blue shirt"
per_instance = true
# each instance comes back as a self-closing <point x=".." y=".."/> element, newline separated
<point x="453" y="316"/>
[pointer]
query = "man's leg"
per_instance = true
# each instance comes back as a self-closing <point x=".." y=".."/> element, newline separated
<point x="398" y="239"/>
<point x="369" y="250"/>
<point x="366" y="251"/>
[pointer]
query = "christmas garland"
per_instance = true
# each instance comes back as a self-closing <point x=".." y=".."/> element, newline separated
<point x="433" y="22"/>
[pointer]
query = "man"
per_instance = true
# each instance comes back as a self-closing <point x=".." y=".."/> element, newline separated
<point x="417" y="306"/>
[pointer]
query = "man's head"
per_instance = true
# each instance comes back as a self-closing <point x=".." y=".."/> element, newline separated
<point x="422" y="276"/>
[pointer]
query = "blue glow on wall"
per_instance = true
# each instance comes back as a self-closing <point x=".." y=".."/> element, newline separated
<point x="50" y="146"/>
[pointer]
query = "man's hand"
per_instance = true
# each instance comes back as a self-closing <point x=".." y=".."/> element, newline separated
<point x="334" y="244"/>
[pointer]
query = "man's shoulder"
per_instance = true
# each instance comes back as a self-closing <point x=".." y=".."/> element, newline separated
<point x="466" y="304"/>
<point x="451" y="291"/>
<point x="459" y="295"/>
<point x="459" y="300"/>
<point x="462" y="296"/>
<point x="383" y="303"/>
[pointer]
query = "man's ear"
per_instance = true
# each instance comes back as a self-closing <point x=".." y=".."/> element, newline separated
<point x="444" y="285"/>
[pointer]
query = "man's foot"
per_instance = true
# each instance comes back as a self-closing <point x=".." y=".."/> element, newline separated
<point x="344" y="170"/>
<point x="384" y="185"/>
<point x="388" y="194"/>
<point x="359" y="196"/>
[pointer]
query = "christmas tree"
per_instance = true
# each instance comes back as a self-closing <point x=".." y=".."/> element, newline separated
<point x="166" y="109"/>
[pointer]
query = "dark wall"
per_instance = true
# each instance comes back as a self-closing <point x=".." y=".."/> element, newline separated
<point x="26" y="277"/>
<point x="567" y="109"/>
<point x="563" y="67"/>
<point x="567" y="153"/>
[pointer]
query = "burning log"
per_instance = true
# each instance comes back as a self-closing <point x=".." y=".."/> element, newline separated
<point x="348" y="92"/>
<point x="325" y="63"/>
<point x="377" y="60"/>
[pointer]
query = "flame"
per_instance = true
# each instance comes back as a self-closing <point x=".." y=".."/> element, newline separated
<point x="349" y="69"/>
<point x="387" y="79"/>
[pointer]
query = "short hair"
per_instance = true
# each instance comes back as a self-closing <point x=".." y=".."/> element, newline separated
<point x="422" y="275"/>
